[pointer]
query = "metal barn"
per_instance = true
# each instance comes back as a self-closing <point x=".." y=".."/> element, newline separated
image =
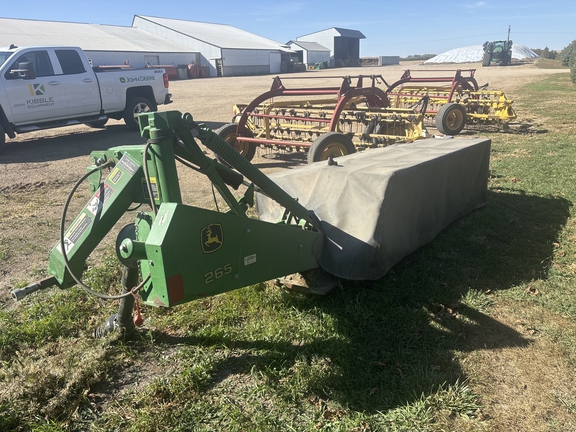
<point x="310" y="53"/>
<point x="103" y="44"/>
<point x="225" y="50"/>
<point x="344" y="45"/>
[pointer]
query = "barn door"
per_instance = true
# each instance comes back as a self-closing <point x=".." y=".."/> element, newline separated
<point x="275" y="61"/>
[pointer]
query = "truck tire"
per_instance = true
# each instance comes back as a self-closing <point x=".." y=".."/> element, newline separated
<point x="330" y="144"/>
<point x="486" y="59"/>
<point x="2" y="139"/>
<point x="135" y="106"/>
<point x="99" y="124"/>
<point x="451" y="119"/>
<point x="228" y="134"/>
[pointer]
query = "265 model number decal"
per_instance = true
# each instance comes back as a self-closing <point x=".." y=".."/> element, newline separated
<point x="220" y="272"/>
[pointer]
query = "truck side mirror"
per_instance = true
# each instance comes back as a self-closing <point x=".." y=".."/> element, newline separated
<point x="25" y="71"/>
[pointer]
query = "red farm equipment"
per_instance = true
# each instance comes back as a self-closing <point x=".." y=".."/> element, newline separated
<point x="336" y="121"/>
<point x="326" y="121"/>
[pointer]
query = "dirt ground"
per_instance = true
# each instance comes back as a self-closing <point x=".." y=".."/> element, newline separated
<point x="37" y="170"/>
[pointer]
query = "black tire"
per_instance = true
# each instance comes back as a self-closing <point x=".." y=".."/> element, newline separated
<point x="2" y="139"/>
<point x="99" y="124"/>
<point x="135" y="106"/>
<point x="228" y="134"/>
<point x="451" y="119"/>
<point x="330" y="144"/>
<point x="486" y="59"/>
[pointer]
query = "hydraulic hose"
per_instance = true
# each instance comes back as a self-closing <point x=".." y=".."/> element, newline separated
<point x="63" y="248"/>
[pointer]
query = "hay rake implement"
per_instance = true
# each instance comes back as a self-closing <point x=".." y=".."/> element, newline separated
<point x="326" y="121"/>
<point x="454" y="101"/>
<point x="336" y="121"/>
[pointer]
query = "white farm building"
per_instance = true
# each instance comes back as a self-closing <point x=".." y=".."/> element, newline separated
<point x="344" y="45"/>
<point x="103" y="44"/>
<point x="221" y="49"/>
<point x="226" y="50"/>
<point x="216" y="49"/>
<point x="309" y="53"/>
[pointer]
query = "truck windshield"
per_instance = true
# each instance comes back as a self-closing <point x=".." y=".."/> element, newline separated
<point x="4" y="56"/>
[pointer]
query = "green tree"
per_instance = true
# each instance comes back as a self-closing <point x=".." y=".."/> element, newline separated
<point x="573" y="67"/>
<point x="546" y="53"/>
<point x="566" y="53"/>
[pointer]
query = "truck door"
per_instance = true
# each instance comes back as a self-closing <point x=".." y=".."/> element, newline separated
<point x="34" y="99"/>
<point x="82" y="90"/>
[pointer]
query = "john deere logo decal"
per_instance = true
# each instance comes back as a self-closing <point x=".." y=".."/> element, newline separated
<point x="212" y="238"/>
<point x="122" y="80"/>
<point x="37" y="89"/>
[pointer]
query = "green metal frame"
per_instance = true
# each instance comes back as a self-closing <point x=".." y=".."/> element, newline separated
<point x="187" y="252"/>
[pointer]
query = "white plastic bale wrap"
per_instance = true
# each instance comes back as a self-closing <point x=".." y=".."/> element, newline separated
<point x="380" y="205"/>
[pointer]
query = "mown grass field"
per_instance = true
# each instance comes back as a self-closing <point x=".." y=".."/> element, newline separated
<point x="474" y="332"/>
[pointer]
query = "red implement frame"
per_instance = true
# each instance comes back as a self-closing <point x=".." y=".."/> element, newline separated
<point x="374" y="96"/>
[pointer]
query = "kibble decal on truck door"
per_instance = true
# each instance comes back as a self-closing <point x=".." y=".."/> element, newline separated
<point x="36" y="89"/>
<point x="38" y="102"/>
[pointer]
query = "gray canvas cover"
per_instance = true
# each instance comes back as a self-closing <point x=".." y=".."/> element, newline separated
<point x="379" y="205"/>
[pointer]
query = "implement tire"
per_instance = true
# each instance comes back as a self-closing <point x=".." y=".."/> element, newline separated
<point x="330" y="144"/>
<point x="451" y="119"/>
<point x="228" y="134"/>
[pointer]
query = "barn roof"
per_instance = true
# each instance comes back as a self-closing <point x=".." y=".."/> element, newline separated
<point x="355" y="34"/>
<point x="90" y="37"/>
<point x="308" y="46"/>
<point x="350" y="33"/>
<point x="219" y="35"/>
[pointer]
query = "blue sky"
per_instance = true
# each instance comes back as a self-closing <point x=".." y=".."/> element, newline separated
<point x="391" y="27"/>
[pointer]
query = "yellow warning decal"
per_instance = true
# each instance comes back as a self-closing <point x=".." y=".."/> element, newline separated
<point x="115" y="175"/>
<point x="153" y="186"/>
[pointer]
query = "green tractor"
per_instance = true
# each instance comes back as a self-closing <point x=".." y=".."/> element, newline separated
<point x="497" y="52"/>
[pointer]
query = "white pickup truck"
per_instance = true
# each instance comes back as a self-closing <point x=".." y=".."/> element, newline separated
<point x="47" y="87"/>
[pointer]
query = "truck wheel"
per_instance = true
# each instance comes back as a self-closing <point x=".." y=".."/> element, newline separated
<point x="2" y="139"/>
<point x="486" y="59"/>
<point x="135" y="106"/>
<point x="451" y="119"/>
<point x="330" y="144"/>
<point x="228" y="134"/>
<point x="97" y="124"/>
